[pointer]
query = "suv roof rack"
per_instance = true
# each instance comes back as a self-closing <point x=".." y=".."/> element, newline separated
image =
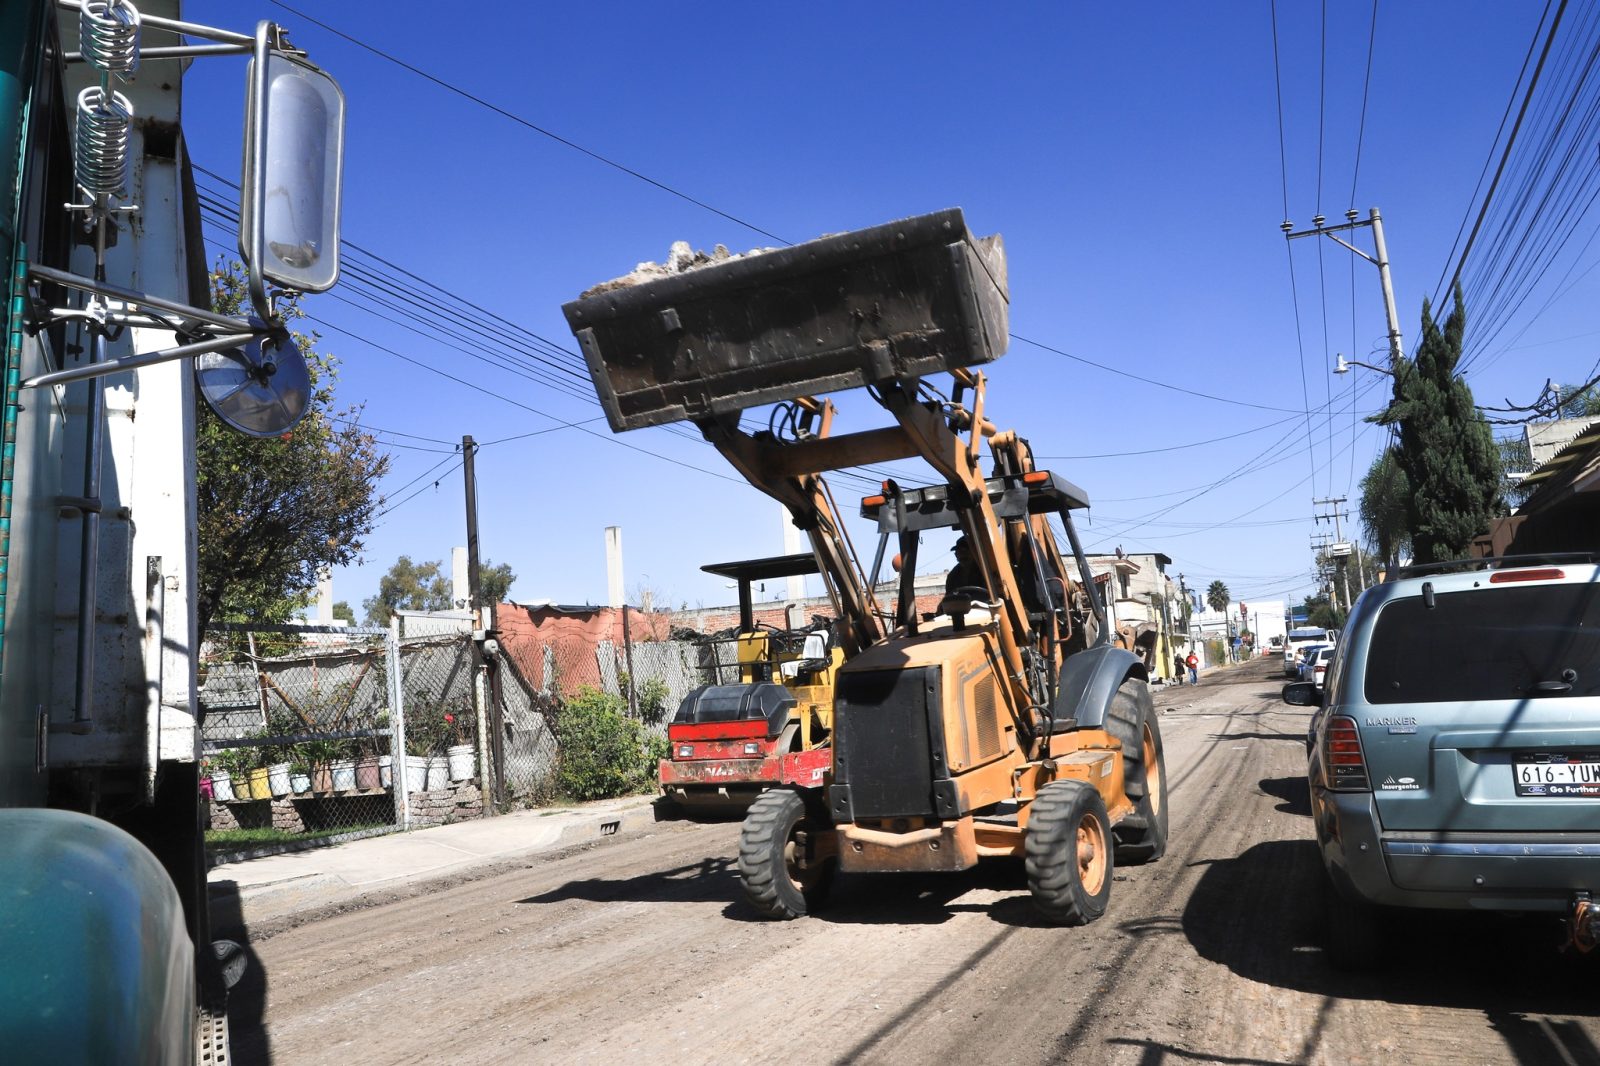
<point x="1492" y="562"/>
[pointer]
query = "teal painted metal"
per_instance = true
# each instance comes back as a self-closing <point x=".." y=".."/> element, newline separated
<point x="8" y="432"/>
<point x="22" y="26"/>
<point x="98" y="965"/>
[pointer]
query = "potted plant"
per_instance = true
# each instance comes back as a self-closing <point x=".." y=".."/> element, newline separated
<point x="300" y="777"/>
<point x="367" y="773"/>
<point x="343" y="767"/>
<point x="319" y="754"/>
<point x="221" y="776"/>
<point x="462" y="755"/>
<point x="426" y="730"/>
<point x="257" y="757"/>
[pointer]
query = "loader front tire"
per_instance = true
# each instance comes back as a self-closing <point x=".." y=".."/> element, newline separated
<point x="777" y="880"/>
<point x="1069" y="855"/>
<point x="1142" y="836"/>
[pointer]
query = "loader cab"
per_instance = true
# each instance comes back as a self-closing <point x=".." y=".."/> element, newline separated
<point x="1038" y="571"/>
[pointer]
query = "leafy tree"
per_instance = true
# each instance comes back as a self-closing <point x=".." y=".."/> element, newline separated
<point x="1320" y="611"/>
<point x="342" y="612"/>
<point x="494" y="581"/>
<point x="1578" y="401"/>
<point x="1384" y="492"/>
<point x="1217" y="596"/>
<point x="408" y="586"/>
<point x="1445" y="448"/>
<point x="1515" y="457"/>
<point x="272" y="514"/>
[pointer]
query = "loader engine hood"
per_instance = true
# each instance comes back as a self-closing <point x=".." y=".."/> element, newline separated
<point x="712" y="704"/>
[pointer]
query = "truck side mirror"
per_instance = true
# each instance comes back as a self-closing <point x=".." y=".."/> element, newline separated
<point x="293" y="168"/>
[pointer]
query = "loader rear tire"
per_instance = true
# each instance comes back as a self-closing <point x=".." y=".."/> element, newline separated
<point x="1069" y="855"/>
<point x="775" y="881"/>
<point x="1142" y="836"/>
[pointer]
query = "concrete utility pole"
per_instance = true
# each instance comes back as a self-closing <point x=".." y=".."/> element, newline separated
<point x="1380" y="260"/>
<point x="1338" y="538"/>
<point x="491" y="758"/>
<point x="1319" y="551"/>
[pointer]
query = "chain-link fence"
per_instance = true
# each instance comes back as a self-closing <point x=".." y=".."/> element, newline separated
<point x="310" y="732"/>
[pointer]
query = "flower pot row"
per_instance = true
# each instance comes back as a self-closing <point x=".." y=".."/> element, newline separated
<point x="345" y="775"/>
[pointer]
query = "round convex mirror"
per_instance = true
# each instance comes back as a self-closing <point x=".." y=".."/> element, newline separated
<point x="262" y="391"/>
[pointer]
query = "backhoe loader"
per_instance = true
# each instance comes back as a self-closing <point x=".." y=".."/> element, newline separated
<point x="1006" y="723"/>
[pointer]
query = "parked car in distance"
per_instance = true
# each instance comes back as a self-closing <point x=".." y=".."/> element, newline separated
<point x="1455" y="755"/>
<point x="1306" y="654"/>
<point x="1298" y="640"/>
<point x="1314" y="664"/>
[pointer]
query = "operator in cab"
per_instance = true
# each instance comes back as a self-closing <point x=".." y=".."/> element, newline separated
<point x="966" y="573"/>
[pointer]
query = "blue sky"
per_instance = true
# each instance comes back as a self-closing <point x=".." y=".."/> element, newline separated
<point x="1129" y="155"/>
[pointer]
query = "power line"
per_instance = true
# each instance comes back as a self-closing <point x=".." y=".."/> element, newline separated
<point x="1366" y="86"/>
<point x="419" y="491"/>
<point x="1294" y="288"/>
<point x="389" y="432"/>
<point x="1511" y="141"/>
<point x="424" y="474"/>
<point x="1173" y="447"/>
<point x="1148" y="381"/>
<point x="1322" y="103"/>
<point x="519" y="120"/>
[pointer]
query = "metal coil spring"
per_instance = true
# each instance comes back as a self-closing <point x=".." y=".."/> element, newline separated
<point x="108" y="33"/>
<point x="101" y="141"/>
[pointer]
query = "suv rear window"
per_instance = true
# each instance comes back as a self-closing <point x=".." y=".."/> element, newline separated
<point x="1486" y="644"/>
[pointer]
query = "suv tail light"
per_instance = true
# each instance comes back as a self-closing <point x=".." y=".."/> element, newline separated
<point x="1341" y="754"/>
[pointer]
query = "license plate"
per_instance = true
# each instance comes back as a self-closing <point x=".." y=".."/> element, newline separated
<point x="1557" y="774"/>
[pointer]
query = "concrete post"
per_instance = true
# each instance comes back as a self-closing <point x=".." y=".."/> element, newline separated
<point x="397" y="726"/>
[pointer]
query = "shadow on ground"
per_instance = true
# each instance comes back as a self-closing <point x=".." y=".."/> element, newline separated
<point x="709" y="880"/>
<point x="855" y="899"/>
<point x="1294" y="794"/>
<point x="248" y="1043"/>
<point x="1260" y="915"/>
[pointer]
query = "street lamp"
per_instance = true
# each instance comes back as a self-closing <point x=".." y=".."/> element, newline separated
<point x="1343" y="365"/>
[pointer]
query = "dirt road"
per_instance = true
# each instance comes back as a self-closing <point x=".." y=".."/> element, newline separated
<point x="638" y="950"/>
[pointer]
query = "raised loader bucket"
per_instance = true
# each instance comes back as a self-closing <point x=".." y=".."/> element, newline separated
<point x="901" y="300"/>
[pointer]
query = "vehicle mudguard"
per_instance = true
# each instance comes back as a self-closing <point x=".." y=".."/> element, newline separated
<point x="97" y="961"/>
<point x="1090" y="678"/>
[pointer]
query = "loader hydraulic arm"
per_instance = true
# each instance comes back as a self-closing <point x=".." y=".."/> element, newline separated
<point x="770" y="466"/>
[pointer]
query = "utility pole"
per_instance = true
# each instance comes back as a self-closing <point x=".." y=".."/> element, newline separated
<point x="1319" y="547"/>
<point x="1338" y="539"/>
<point x="1374" y="221"/>
<point x="491" y="759"/>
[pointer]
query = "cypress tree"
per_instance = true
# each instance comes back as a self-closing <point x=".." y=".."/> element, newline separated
<point x="1445" y="449"/>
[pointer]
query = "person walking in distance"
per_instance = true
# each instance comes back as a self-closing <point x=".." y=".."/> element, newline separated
<point x="1193" y="662"/>
<point x="1177" y="666"/>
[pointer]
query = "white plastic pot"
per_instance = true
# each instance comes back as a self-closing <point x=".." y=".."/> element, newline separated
<point x="300" y="783"/>
<point x="462" y="759"/>
<point x="344" y="774"/>
<point x="438" y="773"/>
<point x="386" y="771"/>
<point x="278" y="778"/>
<point x="222" y="786"/>
<point x="416" y="773"/>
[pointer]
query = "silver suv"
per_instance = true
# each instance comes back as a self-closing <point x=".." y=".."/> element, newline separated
<point x="1455" y="752"/>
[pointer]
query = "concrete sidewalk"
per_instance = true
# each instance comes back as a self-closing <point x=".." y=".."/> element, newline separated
<point x="280" y="886"/>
